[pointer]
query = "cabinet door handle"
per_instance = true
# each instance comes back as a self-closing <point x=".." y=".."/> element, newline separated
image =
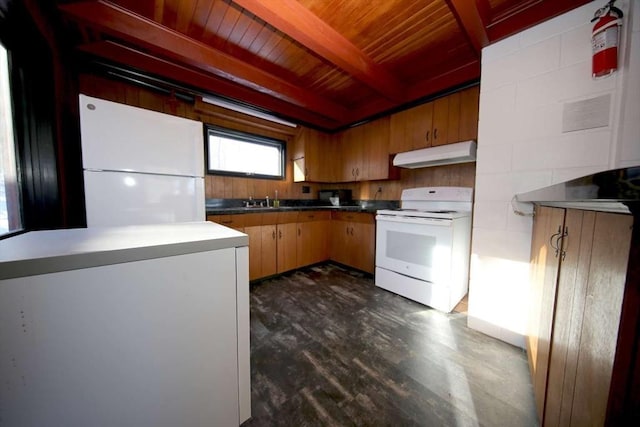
<point x="347" y="231"/>
<point x="560" y="243"/>
<point x="280" y="234"/>
<point x="352" y="231"/>
<point x="273" y="234"/>
<point x="435" y="133"/>
<point x="298" y="231"/>
<point x="427" y="136"/>
<point x="357" y="172"/>
<point x="553" y="236"/>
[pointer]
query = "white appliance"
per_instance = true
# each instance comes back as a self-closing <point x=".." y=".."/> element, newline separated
<point x="423" y="248"/>
<point x="139" y="326"/>
<point x="140" y="166"/>
<point x="447" y="154"/>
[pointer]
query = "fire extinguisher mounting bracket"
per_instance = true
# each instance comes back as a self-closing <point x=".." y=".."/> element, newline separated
<point x="608" y="7"/>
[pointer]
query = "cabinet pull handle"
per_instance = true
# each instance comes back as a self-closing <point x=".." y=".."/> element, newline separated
<point x="560" y="243"/>
<point x="347" y="231"/>
<point x="273" y="234"/>
<point x="427" y="136"/>
<point x="352" y="231"/>
<point x="357" y="172"/>
<point x="298" y="231"/>
<point x="553" y="236"/>
<point x="435" y="133"/>
<point x="280" y="234"/>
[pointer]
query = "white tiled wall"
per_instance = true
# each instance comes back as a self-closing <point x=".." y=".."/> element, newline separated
<point x="526" y="80"/>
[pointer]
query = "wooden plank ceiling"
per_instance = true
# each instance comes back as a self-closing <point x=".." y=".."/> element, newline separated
<point x="324" y="63"/>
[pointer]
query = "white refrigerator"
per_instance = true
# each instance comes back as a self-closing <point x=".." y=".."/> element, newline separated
<point x="140" y="166"/>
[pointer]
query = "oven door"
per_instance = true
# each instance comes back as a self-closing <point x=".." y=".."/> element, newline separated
<point x="415" y="247"/>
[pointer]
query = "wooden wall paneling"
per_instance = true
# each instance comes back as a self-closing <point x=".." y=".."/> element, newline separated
<point x="605" y="288"/>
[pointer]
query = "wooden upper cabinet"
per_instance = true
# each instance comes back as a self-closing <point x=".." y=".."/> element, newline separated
<point x="309" y="151"/>
<point x="446" y="120"/>
<point x="350" y="143"/>
<point x="375" y="150"/>
<point x="468" y="116"/>
<point x="364" y="152"/>
<point x="439" y="123"/>
<point x="410" y="128"/>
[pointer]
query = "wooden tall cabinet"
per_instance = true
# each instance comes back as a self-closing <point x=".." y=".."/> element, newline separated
<point x="579" y="265"/>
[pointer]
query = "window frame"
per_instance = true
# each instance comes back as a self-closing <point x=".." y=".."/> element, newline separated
<point x="245" y="137"/>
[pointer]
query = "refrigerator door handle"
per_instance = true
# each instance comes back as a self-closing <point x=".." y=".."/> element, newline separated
<point x="139" y="173"/>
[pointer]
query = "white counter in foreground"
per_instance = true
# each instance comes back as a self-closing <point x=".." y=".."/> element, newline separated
<point x="127" y="326"/>
<point x="51" y="251"/>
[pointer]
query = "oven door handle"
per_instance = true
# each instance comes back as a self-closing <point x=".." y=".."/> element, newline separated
<point x="442" y="222"/>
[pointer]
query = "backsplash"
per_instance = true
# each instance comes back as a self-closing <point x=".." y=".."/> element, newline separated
<point x="223" y="187"/>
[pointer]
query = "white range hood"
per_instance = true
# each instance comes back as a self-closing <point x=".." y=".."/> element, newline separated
<point x="460" y="152"/>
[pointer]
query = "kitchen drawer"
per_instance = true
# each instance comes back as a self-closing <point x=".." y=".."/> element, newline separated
<point x="254" y="219"/>
<point x="232" y="221"/>
<point x="308" y="216"/>
<point x="287" y="217"/>
<point x="361" y="217"/>
<point x="270" y="218"/>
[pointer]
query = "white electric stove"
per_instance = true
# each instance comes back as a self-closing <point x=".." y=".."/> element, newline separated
<point x="423" y="248"/>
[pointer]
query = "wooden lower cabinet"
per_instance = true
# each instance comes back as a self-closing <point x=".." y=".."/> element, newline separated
<point x="286" y="241"/>
<point x="312" y="244"/>
<point x="262" y="251"/>
<point x="287" y="247"/>
<point x="579" y="265"/>
<point x="353" y="240"/>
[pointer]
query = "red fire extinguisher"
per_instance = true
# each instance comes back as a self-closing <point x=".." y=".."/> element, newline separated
<point x="604" y="40"/>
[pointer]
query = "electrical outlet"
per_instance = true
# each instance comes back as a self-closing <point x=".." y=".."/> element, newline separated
<point x="380" y="189"/>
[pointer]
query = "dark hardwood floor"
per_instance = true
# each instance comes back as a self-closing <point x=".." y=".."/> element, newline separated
<point x="330" y="348"/>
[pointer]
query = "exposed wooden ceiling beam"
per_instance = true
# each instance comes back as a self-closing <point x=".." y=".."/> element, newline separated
<point x="299" y="23"/>
<point x="447" y="80"/>
<point x="120" y="54"/>
<point x="472" y="17"/>
<point x="119" y="22"/>
<point x="442" y="82"/>
<point x="522" y="16"/>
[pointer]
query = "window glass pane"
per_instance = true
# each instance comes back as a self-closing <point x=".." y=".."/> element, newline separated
<point x="10" y="205"/>
<point x="244" y="155"/>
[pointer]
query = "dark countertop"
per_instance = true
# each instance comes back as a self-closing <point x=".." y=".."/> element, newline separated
<point x="616" y="190"/>
<point x="232" y="206"/>
<point x="240" y="210"/>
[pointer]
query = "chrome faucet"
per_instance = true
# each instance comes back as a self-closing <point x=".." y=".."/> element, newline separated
<point x="267" y="199"/>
